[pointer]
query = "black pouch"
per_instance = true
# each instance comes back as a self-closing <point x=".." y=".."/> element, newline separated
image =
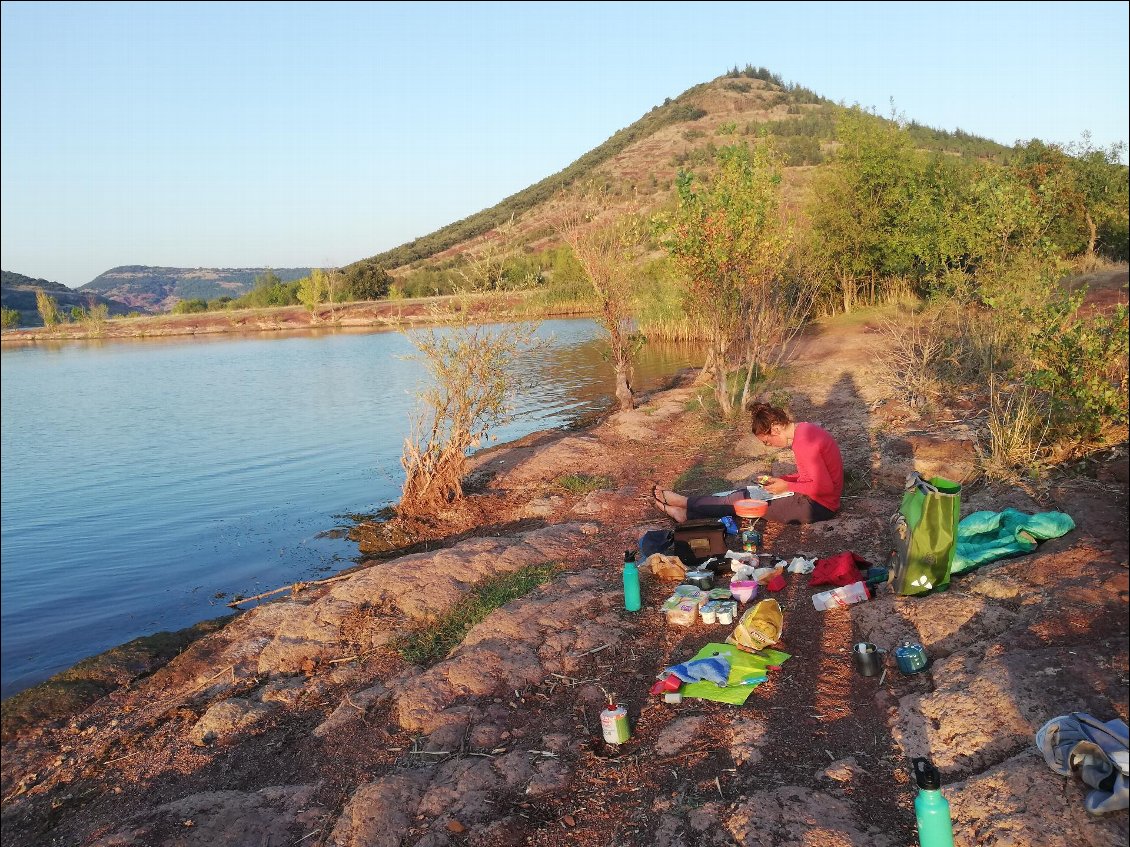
<point x="664" y="541"/>
<point x="706" y="537"/>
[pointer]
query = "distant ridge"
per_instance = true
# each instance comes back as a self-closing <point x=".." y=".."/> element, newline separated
<point x="153" y="290"/>
<point x="18" y="292"/>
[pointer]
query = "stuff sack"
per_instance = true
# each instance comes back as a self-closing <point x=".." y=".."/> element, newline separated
<point x="1099" y="753"/>
<point x="706" y="537"/>
<point x="924" y="532"/>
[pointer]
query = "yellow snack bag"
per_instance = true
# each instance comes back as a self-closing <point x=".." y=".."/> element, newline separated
<point x="759" y="627"/>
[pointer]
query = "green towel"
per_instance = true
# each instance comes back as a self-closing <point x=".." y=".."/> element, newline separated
<point x="743" y="665"/>
<point x="984" y="537"/>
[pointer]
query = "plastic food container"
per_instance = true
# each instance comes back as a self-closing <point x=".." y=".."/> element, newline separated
<point x="683" y="614"/>
<point x="751" y="508"/>
<point x="726" y="611"/>
<point x="709" y="612"/>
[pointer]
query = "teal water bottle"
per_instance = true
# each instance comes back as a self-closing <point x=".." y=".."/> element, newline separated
<point x="935" y="829"/>
<point x="631" y="582"/>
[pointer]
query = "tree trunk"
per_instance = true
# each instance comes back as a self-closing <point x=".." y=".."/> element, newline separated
<point x="1093" y="239"/>
<point x="624" y="388"/>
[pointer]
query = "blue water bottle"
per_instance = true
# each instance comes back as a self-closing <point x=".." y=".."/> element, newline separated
<point x="631" y="582"/>
<point x="935" y="829"/>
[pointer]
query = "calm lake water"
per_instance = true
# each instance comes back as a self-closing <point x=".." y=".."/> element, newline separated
<point x="145" y="483"/>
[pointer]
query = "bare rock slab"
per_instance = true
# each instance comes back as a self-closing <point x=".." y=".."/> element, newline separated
<point x="1021" y="802"/>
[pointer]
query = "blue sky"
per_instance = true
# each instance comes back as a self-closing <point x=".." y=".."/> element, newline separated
<point x="296" y="134"/>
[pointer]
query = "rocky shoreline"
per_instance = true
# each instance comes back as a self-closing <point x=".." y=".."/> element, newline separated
<point x="298" y="721"/>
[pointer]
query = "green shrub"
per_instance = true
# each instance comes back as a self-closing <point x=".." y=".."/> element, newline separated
<point x="190" y="307"/>
<point x="1082" y="369"/>
<point x="9" y="318"/>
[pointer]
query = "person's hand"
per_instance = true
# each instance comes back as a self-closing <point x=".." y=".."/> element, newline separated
<point x="773" y="485"/>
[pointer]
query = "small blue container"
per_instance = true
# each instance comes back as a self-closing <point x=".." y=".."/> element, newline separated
<point x="910" y="657"/>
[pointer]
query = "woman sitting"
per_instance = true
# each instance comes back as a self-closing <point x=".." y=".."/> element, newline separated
<point x="815" y="487"/>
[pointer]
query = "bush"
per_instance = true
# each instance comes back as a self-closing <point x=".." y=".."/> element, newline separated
<point x="1082" y="369"/>
<point x="474" y="386"/>
<point x="190" y="307"/>
<point x="9" y="318"/>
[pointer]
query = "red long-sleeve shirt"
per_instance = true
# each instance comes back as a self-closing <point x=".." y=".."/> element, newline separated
<point x="819" y="466"/>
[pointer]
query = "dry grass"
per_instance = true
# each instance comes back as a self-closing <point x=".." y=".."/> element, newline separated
<point x="1018" y="432"/>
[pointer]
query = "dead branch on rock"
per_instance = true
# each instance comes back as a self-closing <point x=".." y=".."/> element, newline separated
<point x="294" y="588"/>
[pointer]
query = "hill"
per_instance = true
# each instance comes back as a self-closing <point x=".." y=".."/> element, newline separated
<point x="18" y="292"/>
<point x="640" y="162"/>
<point x="154" y="289"/>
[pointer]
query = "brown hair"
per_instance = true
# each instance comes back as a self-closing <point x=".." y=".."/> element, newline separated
<point x="762" y="417"/>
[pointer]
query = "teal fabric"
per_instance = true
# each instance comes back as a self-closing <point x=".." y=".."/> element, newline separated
<point x="984" y="537"/>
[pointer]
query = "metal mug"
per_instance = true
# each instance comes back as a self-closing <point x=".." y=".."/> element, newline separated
<point x="868" y="658"/>
<point x="910" y="657"/>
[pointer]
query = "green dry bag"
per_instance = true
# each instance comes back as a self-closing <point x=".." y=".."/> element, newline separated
<point x="924" y="532"/>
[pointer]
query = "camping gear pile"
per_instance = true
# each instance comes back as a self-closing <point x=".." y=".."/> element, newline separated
<point x="928" y="539"/>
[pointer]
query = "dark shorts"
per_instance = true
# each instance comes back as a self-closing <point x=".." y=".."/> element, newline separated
<point x="795" y="509"/>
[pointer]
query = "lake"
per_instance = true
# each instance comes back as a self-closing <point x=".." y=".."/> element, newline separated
<point x="145" y="483"/>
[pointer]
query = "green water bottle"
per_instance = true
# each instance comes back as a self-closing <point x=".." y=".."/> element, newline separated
<point x="935" y="829"/>
<point x="631" y="582"/>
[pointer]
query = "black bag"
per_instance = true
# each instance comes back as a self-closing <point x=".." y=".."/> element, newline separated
<point x="664" y="541"/>
<point x="706" y="537"/>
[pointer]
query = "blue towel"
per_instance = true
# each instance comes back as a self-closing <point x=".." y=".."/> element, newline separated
<point x="716" y="669"/>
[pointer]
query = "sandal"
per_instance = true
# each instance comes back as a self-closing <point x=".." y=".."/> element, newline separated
<point x="658" y="498"/>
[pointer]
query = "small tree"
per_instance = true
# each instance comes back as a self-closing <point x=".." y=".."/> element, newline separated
<point x="861" y="205"/>
<point x="471" y="395"/>
<point x="728" y="238"/>
<point x="48" y="308"/>
<point x="311" y="291"/>
<point x="94" y="319"/>
<point x="9" y="318"/>
<point x="607" y="249"/>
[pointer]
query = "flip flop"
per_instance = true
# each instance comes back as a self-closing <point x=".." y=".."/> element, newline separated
<point x="658" y="498"/>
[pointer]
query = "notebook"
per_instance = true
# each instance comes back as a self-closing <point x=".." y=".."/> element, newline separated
<point x="754" y="492"/>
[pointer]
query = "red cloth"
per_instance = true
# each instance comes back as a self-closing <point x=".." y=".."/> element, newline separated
<point x="819" y="466"/>
<point x="841" y="569"/>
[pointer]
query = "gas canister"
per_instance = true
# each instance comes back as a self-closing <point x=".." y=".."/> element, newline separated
<point x="910" y="657"/>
